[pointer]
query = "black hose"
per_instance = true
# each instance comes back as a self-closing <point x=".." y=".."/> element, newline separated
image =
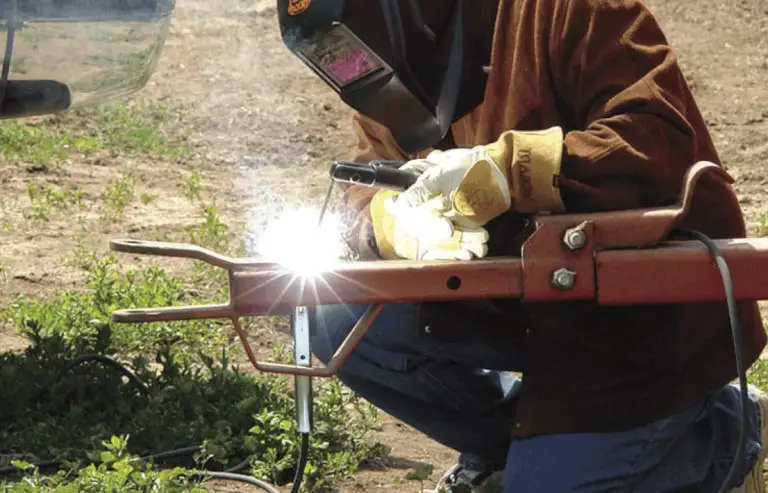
<point x="303" y="456"/>
<point x="10" y="470"/>
<point x="241" y="466"/>
<point x="738" y="348"/>
<point x="203" y="475"/>
<point x="229" y="474"/>
<point x="104" y="360"/>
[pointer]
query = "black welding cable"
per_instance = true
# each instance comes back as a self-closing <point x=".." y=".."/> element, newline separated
<point x="241" y="466"/>
<point x="11" y="470"/>
<point x="738" y="349"/>
<point x="106" y="361"/>
<point x="303" y="455"/>
<point x="229" y="476"/>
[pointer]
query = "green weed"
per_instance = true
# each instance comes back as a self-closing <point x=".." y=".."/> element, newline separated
<point x="117" y="195"/>
<point x="135" y="128"/>
<point x="193" y="186"/>
<point x="122" y="127"/>
<point x="758" y="374"/>
<point x="40" y="144"/>
<point x="117" y="471"/>
<point x="421" y="473"/>
<point x="212" y="233"/>
<point x="47" y="199"/>
<point x="95" y="425"/>
<point x="762" y="226"/>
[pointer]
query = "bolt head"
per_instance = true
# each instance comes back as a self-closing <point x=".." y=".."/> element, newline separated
<point x="564" y="279"/>
<point x="575" y="239"/>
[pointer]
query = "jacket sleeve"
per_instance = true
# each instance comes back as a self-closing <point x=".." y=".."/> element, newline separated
<point x="374" y="142"/>
<point x="635" y="128"/>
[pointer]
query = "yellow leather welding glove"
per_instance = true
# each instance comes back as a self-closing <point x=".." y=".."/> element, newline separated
<point x="422" y="232"/>
<point x="516" y="172"/>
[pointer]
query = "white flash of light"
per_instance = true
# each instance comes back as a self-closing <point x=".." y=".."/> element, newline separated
<point x="294" y="240"/>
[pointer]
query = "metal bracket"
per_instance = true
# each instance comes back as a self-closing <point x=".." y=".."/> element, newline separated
<point x="303" y="358"/>
<point x="570" y="243"/>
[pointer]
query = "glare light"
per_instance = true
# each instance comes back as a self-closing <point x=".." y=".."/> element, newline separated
<point x="294" y="240"/>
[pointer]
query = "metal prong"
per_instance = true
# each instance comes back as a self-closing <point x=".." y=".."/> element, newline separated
<point x="303" y="355"/>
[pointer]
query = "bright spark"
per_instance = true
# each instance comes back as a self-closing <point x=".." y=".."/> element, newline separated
<point x="294" y="240"/>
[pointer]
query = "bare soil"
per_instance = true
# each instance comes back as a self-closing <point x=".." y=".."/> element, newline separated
<point x="269" y="130"/>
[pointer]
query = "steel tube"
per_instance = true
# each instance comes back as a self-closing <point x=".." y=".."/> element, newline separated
<point x="680" y="272"/>
<point x="258" y="292"/>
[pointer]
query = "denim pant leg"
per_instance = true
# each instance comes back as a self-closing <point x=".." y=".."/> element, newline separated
<point x="440" y="389"/>
<point x="690" y="452"/>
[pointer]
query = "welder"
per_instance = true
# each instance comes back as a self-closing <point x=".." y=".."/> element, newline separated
<point x="508" y="109"/>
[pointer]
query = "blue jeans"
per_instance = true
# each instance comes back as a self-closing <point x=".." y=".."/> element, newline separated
<point x="443" y="390"/>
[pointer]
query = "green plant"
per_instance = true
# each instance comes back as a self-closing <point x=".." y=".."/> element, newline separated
<point x="46" y="198"/>
<point x="121" y="126"/>
<point x="758" y="374"/>
<point x="117" y="195"/>
<point x="762" y="226"/>
<point x="421" y="473"/>
<point x="40" y="144"/>
<point x="193" y="186"/>
<point x="212" y="233"/>
<point x="195" y="395"/>
<point x="117" y="471"/>
<point x="135" y="127"/>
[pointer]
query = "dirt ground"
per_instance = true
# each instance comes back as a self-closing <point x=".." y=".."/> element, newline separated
<point x="270" y="130"/>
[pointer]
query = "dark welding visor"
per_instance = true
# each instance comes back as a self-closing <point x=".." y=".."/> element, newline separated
<point x="60" y="54"/>
<point x="399" y="62"/>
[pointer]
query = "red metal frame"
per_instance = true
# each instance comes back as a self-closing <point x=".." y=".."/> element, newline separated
<point x="615" y="258"/>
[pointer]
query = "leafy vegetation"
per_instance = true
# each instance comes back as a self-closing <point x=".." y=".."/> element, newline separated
<point x="47" y="199"/>
<point x="194" y="395"/>
<point x="122" y="127"/>
<point x="117" y="195"/>
<point x="762" y="226"/>
<point x="78" y="423"/>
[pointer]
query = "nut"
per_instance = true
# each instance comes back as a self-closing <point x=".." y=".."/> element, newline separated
<point x="563" y="279"/>
<point x="575" y="239"/>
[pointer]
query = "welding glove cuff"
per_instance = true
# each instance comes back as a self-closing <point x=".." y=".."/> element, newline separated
<point x="519" y="172"/>
<point x="422" y="232"/>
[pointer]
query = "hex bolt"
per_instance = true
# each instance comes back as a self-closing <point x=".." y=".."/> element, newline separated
<point x="575" y="239"/>
<point x="564" y="279"/>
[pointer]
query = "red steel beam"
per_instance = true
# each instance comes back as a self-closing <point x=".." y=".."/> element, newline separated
<point x="682" y="272"/>
<point x="670" y="273"/>
<point x="674" y="272"/>
<point x="260" y="291"/>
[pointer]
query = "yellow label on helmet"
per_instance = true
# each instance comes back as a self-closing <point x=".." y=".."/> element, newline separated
<point x="295" y="7"/>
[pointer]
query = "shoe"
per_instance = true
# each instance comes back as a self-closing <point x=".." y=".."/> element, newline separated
<point x="459" y="479"/>
<point x="755" y="480"/>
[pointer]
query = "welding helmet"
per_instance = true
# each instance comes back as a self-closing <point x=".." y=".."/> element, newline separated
<point x="414" y="66"/>
<point x="60" y="54"/>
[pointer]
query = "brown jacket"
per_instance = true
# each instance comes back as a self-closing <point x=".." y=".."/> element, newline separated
<point x="602" y="70"/>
